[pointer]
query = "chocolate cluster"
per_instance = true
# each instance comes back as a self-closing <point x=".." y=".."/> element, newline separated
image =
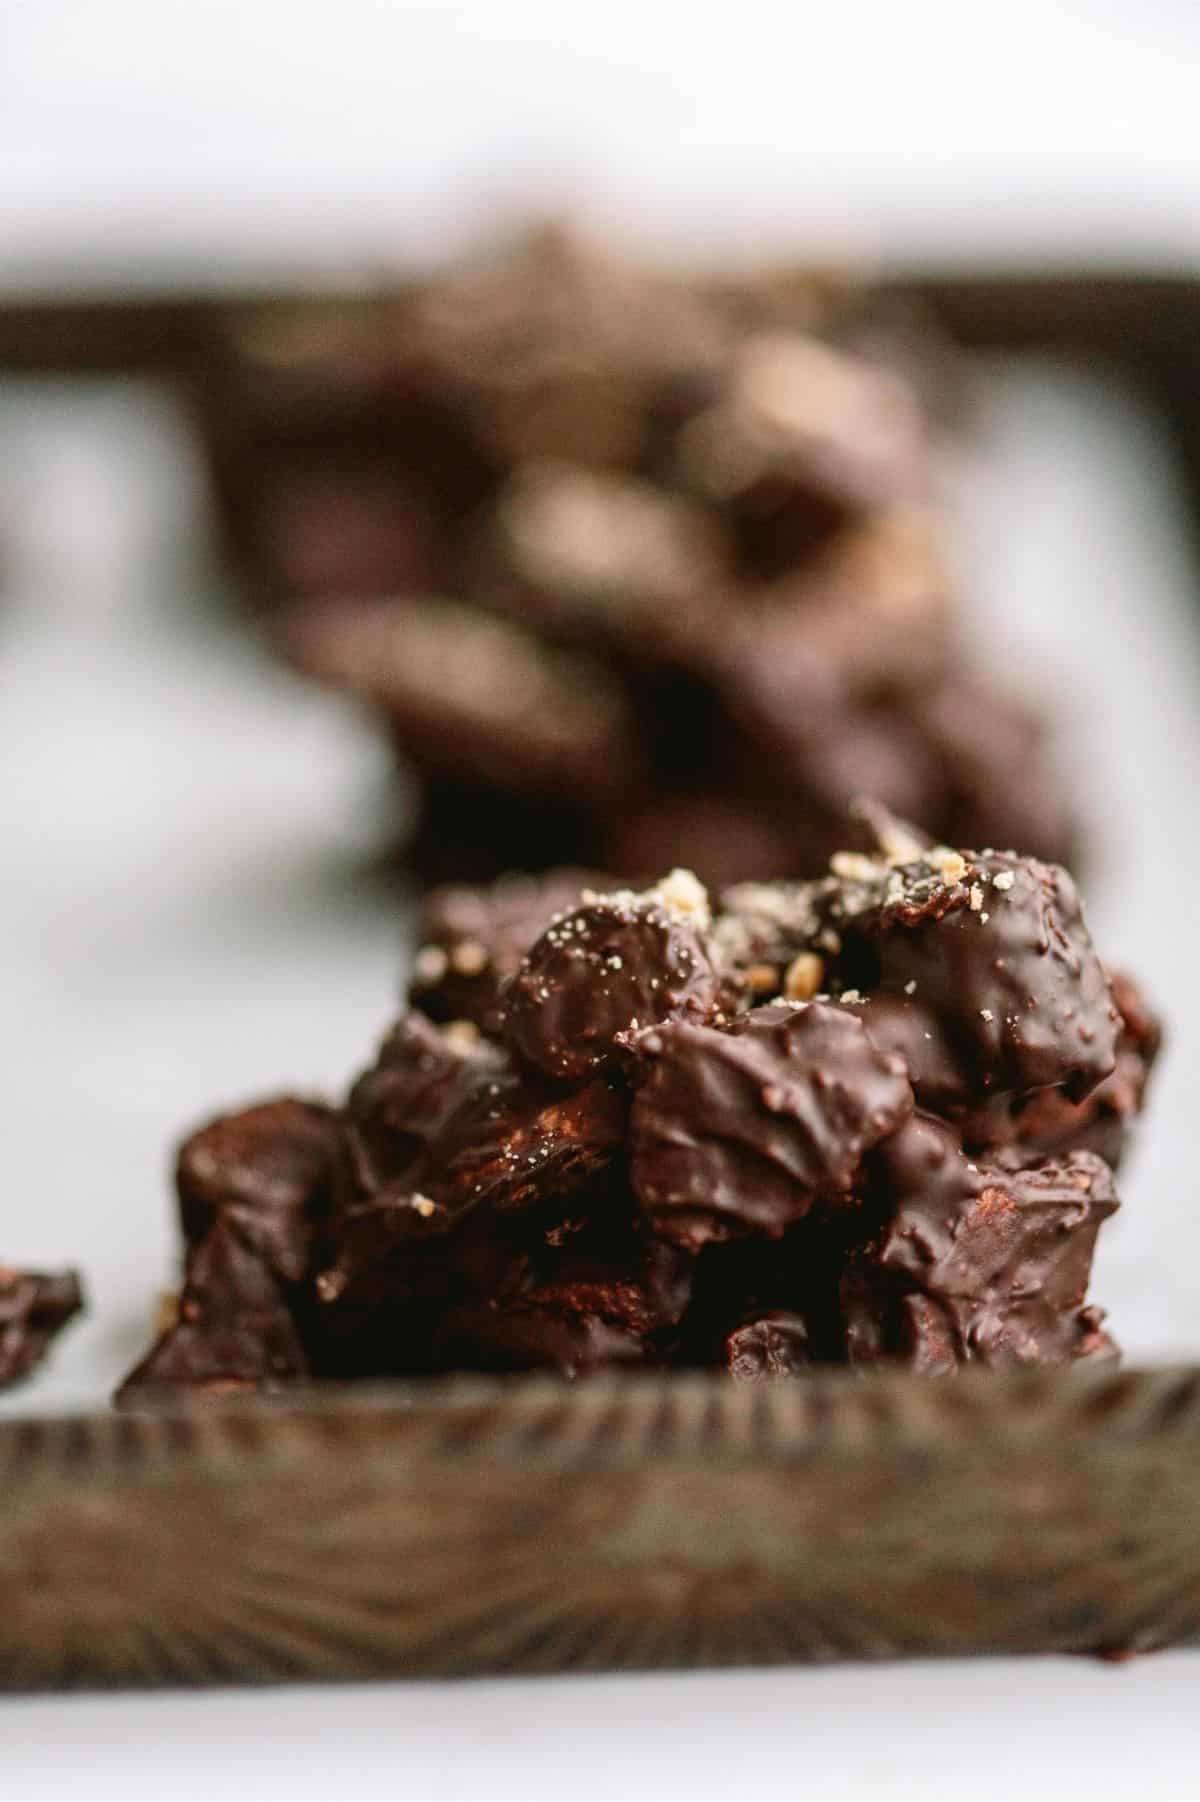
<point x="636" y="569"/>
<point x="34" y="1308"/>
<point x="869" y="1118"/>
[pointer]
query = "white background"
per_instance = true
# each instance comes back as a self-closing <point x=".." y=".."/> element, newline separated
<point x="185" y="915"/>
<point x="159" y="134"/>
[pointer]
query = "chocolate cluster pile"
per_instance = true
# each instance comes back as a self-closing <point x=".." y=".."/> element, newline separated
<point x="867" y="1118"/>
<point x="636" y="569"/>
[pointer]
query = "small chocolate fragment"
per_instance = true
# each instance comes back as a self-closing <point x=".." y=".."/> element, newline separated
<point x="619" y="963"/>
<point x="234" y="1329"/>
<point x="740" y="1132"/>
<point x="269" y="1171"/>
<point x="34" y="1308"/>
<point x="771" y="1345"/>
<point x="976" y="1263"/>
<point x="472" y="940"/>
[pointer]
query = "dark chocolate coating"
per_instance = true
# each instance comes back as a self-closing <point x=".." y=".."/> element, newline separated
<point x="438" y="1131"/>
<point x="478" y="1335"/>
<point x="975" y="1263"/>
<point x="741" y="1131"/>
<point x="34" y="1308"/>
<point x="1047" y="1122"/>
<point x="422" y="1079"/>
<point x="270" y="1172"/>
<point x="593" y="1291"/>
<point x="1014" y="981"/>
<point x="771" y="1345"/>
<point x="233" y="1330"/>
<point x="617" y="964"/>
<point x="531" y="1146"/>
<point x="472" y="940"/>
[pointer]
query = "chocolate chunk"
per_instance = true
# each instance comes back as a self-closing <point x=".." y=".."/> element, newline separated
<point x="611" y="1269"/>
<point x="1047" y="1122"/>
<point x="592" y="555"/>
<point x="736" y="1132"/>
<point x="771" y="1345"/>
<point x="1002" y="957"/>
<point x="423" y="1078"/>
<point x="539" y="1287"/>
<point x="233" y="1329"/>
<point x="269" y="1172"/>
<point x="619" y="963"/>
<point x="903" y="1025"/>
<point x="440" y="1126"/>
<point x="34" y="1308"/>
<point x="531" y="1147"/>
<point x="472" y="940"/>
<point x="801" y="438"/>
<point x="482" y="1336"/>
<point x="975" y="1263"/>
<point x="599" y="1294"/>
<point x="473" y="697"/>
<point x="864" y="621"/>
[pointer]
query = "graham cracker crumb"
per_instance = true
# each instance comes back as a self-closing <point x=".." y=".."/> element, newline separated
<point x="762" y="979"/>
<point x="682" y="893"/>
<point x="469" y="958"/>
<point x="803" y="976"/>
<point x="461" y="1036"/>
<point x="950" y="865"/>
<point x="429" y="965"/>
<point x="854" y="866"/>
<point x="166" y="1311"/>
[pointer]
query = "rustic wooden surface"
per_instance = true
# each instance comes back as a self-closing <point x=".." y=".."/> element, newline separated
<point x="639" y="1524"/>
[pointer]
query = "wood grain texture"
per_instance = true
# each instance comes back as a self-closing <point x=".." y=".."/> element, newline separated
<point x="644" y="1523"/>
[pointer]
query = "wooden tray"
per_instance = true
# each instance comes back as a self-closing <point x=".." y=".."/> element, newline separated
<point x="643" y="1523"/>
<point x="653" y="1523"/>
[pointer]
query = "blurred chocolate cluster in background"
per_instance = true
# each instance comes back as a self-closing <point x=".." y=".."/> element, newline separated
<point x="638" y="568"/>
